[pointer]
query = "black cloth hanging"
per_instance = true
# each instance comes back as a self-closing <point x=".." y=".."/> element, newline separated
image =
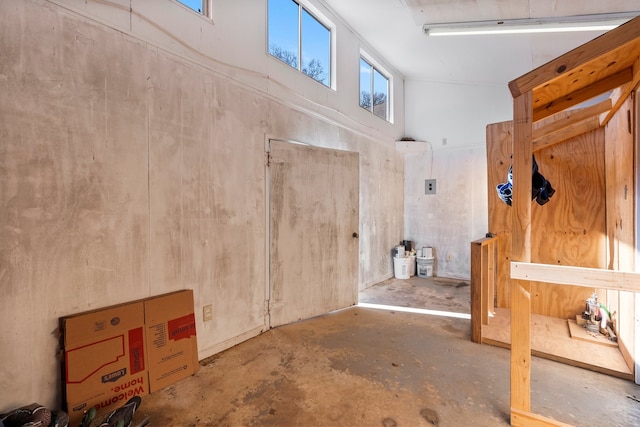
<point x="541" y="189"/>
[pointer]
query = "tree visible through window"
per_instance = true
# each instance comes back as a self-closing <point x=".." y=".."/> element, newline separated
<point x="299" y="39"/>
<point x="374" y="90"/>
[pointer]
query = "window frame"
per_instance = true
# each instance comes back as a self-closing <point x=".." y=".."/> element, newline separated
<point x="206" y="7"/>
<point x="321" y="19"/>
<point x="375" y="67"/>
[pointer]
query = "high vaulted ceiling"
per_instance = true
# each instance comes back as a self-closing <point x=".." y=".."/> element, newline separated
<point x="394" y="29"/>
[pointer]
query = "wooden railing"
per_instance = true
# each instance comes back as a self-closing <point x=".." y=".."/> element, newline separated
<point x="483" y="284"/>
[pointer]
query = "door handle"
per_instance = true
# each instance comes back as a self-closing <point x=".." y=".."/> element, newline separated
<point x="354" y="235"/>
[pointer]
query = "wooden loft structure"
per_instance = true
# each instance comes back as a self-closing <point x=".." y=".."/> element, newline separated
<point x="577" y="115"/>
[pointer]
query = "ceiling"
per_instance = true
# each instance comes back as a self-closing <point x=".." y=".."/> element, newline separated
<point x="393" y="28"/>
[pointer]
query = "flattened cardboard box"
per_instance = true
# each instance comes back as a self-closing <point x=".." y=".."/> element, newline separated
<point x="171" y="338"/>
<point x="111" y="354"/>
<point x="105" y="360"/>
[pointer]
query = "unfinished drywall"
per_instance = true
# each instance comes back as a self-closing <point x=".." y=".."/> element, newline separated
<point x="452" y="118"/>
<point x="127" y="171"/>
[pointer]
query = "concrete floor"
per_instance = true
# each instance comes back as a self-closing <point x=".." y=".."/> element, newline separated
<point x="371" y="367"/>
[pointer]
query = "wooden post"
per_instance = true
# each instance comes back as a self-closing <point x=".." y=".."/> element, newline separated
<point x="476" y="291"/>
<point x="492" y="270"/>
<point x="483" y="278"/>
<point x="485" y="284"/>
<point x="521" y="251"/>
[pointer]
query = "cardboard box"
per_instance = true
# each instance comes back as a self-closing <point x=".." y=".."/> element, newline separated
<point x="104" y="358"/>
<point x="118" y="352"/>
<point x="171" y="338"/>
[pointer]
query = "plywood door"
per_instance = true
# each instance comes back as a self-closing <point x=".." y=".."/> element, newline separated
<point x="314" y="199"/>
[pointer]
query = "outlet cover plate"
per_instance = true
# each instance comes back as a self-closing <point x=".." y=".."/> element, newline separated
<point x="207" y="313"/>
<point x="429" y="186"/>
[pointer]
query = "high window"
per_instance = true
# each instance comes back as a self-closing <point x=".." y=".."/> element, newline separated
<point x="374" y="90"/>
<point x="299" y="39"/>
<point x="199" y="6"/>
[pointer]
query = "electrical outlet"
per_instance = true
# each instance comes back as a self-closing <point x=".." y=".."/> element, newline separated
<point x="207" y="313"/>
<point x="449" y="257"/>
<point x="429" y="186"/>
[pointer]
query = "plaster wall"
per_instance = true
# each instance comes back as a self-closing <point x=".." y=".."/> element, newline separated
<point x="451" y="118"/>
<point x="132" y="164"/>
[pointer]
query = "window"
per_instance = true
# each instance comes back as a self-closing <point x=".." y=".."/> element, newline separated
<point x="299" y="39"/>
<point x="374" y="90"/>
<point x="197" y="5"/>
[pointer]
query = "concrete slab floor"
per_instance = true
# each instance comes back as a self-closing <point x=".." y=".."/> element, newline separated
<point x="368" y="367"/>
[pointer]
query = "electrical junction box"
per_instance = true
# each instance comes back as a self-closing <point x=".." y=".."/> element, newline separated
<point x="429" y="186"/>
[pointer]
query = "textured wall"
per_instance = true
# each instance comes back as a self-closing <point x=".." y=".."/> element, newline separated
<point x="127" y="172"/>
<point x="452" y="117"/>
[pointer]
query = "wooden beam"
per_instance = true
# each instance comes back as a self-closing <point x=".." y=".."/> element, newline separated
<point x="576" y="129"/>
<point x="569" y="118"/>
<point x="581" y="95"/>
<point x="527" y="419"/>
<point x="521" y="251"/>
<point x="476" y="291"/>
<point x="620" y="37"/>
<point x="619" y="95"/>
<point x="521" y="345"/>
<point x="483" y="255"/>
<point x="576" y="276"/>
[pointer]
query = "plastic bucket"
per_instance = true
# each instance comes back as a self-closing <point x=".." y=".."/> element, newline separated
<point x="412" y="265"/>
<point x="424" y="267"/>
<point x="401" y="267"/>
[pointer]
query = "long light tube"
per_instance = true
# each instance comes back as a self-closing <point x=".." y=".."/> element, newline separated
<point x="600" y="22"/>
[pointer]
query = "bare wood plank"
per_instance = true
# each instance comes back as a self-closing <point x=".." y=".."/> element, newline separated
<point x="569" y="118"/>
<point x="521" y="193"/>
<point x="521" y="251"/>
<point x="620" y="95"/>
<point x="576" y="276"/>
<point x="621" y="216"/>
<point x="492" y="277"/>
<point x="520" y="345"/>
<point x="579" y="332"/>
<point x="623" y="38"/>
<point x="485" y="285"/>
<point x="499" y="148"/>
<point x="576" y="129"/>
<point x="550" y="339"/>
<point x="521" y="418"/>
<point x="476" y="291"/>
<point x="584" y="94"/>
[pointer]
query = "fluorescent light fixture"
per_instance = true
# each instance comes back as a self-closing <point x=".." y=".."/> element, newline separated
<point x="600" y="22"/>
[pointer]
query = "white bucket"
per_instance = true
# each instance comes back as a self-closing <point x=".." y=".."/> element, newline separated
<point x="401" y="267"/>
<point x="425" y="267"/>
<point x="412" y="265"/>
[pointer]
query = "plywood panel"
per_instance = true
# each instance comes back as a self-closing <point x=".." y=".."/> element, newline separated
<point x="603" y="56"/>
<point x="313" y="215"/>
<point x="550" y="339"/>
<point x="619" y="155"/>
<point x="569" y="230"/>
<point x="498" y="162"/>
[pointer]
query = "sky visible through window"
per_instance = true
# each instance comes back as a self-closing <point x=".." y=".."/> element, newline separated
<point x="315" y="40"/>
<point x="193" y="4"/>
